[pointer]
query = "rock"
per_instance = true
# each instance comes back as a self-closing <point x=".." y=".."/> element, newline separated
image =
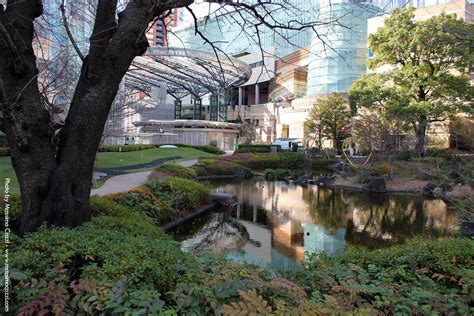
<point x="377" y="184"/>
<point x="242" y="173"/>
<point x="303" y="179"/>
<point x="467" y="229"/>
<point x="438" y="192"/>
<point x="428" y="189"/>
<point x="340" y="166"/>
<point x="325" y="181"/>
<point x="225" y="199"/>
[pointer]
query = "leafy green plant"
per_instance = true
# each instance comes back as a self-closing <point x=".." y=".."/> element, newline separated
<point x="188" y="195"/>
<point x="103" y="250"/>
<point x="4" y="151"/>
<point x="422" y="276"/>
<point x="124" y="148"/>
<point x="318" y="163"/>
<point x="177" y="170"/>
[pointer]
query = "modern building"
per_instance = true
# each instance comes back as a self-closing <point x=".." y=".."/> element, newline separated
<point x="290" y="69"/>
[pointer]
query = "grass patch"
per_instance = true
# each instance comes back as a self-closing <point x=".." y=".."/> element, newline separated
<point x="6" y="170"/>
<point x="123" y="159"/>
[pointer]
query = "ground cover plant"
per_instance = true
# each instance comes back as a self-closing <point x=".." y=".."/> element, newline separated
<point x="122" y="262"/>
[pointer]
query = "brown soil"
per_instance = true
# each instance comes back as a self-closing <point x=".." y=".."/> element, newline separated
<point x="399" y="184"/>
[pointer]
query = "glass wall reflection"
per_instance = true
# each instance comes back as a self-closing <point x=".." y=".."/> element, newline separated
<point x="277" y="224"/>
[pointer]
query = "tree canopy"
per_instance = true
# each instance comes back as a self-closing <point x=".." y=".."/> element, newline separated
<point x="327" y="118"/>
<point x="423" y="71"/>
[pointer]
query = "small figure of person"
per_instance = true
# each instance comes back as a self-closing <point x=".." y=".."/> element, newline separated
<point x="161" y="130"/>
<point x="351" y="151"/>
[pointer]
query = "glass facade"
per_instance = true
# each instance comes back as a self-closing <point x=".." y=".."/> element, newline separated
<point x="339" y="48"/>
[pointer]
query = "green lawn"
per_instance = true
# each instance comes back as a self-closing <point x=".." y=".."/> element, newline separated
<point x="122" y="159"/>
<point x="6" y="171"/>
<point x="111" y="160"/>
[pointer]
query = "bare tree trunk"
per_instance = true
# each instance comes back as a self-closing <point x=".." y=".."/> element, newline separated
<point x="55" y="185"/>
<point x="420" y="132"/>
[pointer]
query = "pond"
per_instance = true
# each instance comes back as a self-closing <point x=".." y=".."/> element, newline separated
<point x="278" y="224"/>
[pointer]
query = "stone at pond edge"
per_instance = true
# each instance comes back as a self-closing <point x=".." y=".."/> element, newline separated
<point x="242" y="173"/>
<point x="467" y="229"/>
<point x="377" y="184"/>
<point x="428" y="189"/>
<point x="325" y="181"/>
<point x="303" y="179"/>
<point x="224" y="199"/>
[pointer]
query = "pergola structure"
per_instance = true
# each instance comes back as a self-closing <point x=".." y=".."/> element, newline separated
<point x="186" y="72"/>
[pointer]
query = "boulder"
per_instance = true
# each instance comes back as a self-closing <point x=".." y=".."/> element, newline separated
<point x="303" y="179"/>
<point x="340" y="166"/>
<point x="438" y="192"/>
<point x="325" y="181"/>
<point x="467" y="229"/>
<point x="242" y="173"/>
<point x="428" y="189"/>
<point x="224" y="199"/>
<point x="377" y="184"/>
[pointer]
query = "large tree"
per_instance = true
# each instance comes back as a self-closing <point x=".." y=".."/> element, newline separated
<point x="55" y="176"/>
<point x="328" y="117"/>
<point x="426" y="72"/>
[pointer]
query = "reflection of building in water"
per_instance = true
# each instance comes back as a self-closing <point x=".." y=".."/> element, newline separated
<point x="318" y="239"/>
<point x="284" y="221"/>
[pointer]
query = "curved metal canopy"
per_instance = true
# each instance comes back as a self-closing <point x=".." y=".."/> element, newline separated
<point x="186" y="71"/>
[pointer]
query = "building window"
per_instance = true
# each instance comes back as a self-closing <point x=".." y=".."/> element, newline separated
<point x="285" y="131"/>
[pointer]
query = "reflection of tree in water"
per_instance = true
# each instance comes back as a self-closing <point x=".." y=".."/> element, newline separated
<point x="220" y="233"/>
<point x="327" y="208"/>
<point x="393" y="221"/>
<point x="375" y="220"/>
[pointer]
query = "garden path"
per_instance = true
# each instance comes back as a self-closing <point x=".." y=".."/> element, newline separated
<point x="125" y="182"/>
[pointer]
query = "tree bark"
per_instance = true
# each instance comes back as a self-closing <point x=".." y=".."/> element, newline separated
<point x="55" y="184"/>
<point x="420" y="133"/>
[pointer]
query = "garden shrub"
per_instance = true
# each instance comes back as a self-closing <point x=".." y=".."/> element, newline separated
<point x="420" y="277"/>
<point x="430" y="160"/>
<point x="124" y="148"/>
<point x="259" y="161"/>
<point x="438" y="152"/>
<point x="187" y="194"/>
<point x="219" y="167"/>
<point x="249" y="148"/>
<point x="381" y="169"/>
<point x="14" y="213"/>
<point x="295" y="174"/>
<point x="181" y="194"/>
<point x="103" y="250"/>
<point x="281" y="174"/>
<point x="269" y="174"/>
<point x="177" y="170"/>
<point x="159" y="210"/>
<point x="321" y="163"/>
<point x="291" y="160"/>
<point x="4" y="151"/>
<point x="404" y="155"/>
<point x="206" y="148"/>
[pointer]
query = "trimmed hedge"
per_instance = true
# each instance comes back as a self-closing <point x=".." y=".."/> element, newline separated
<point x="4" y="151"/>
<point x="287" y="160"/>
<point x="136" y="147"/>
<point x="177" y="170"/>
<point x="249" y="148"/>
<point x="219" y="167"/>
<point x="206" y="148"/>
<point x="124" y="148"/>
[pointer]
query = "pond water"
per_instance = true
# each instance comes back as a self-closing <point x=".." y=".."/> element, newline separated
<point x="277" y="224"/>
